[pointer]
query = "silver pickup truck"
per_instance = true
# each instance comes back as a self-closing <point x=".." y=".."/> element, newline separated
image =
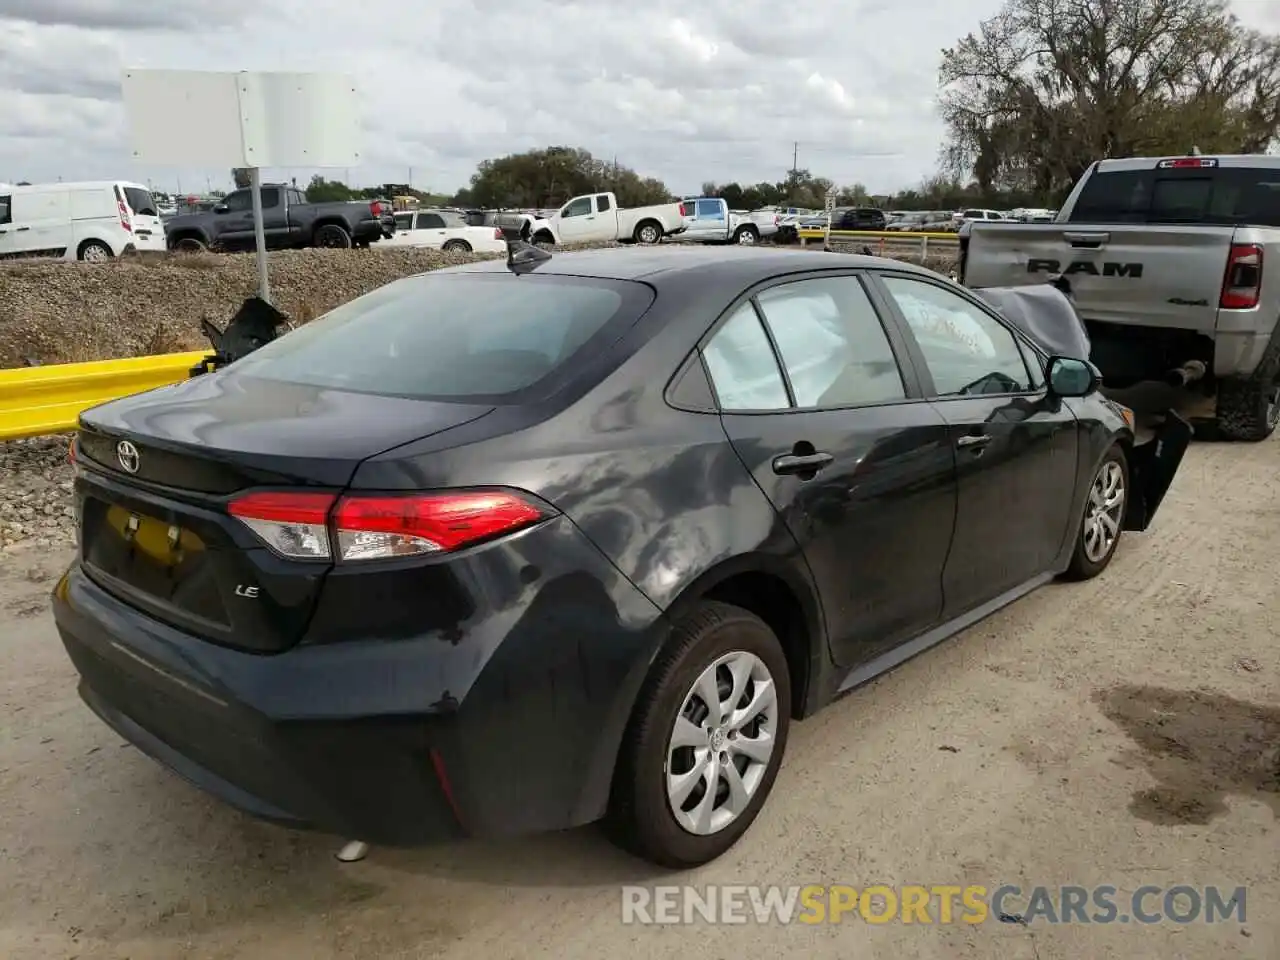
<point x="1174" y="264"/>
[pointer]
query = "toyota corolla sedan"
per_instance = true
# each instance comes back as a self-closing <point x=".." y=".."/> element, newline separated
<point x="514" y="547"/>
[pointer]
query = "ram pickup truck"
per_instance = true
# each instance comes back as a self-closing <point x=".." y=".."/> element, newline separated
<point x="288" y="220"/>
<point x="596" y="217"/>
<point x="1174" y="265"/>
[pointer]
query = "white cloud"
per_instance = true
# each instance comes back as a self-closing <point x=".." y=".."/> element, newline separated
<point x="718" y="90"/>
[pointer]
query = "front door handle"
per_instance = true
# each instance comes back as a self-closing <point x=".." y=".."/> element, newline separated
<point x="974" y="440"/>
<point x="801" y="463"/>
<point x="22" y="229"/>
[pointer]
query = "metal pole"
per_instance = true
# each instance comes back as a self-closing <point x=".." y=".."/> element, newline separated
<point x="259" y="233"/>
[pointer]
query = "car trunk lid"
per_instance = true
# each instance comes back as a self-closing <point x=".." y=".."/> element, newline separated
<point x="156" y="474"/>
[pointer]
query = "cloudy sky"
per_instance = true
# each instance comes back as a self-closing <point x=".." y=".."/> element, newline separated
<point x="713" y="90"/>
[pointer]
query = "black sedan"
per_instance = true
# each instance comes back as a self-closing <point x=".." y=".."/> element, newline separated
<point x="509" y="548"/>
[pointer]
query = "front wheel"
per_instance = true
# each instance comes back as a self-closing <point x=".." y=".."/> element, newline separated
<point x="457" y="246"/>
<point x="1103" y="520"/>
<point x="705" y="742"/>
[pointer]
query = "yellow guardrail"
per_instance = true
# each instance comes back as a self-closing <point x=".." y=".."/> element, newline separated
<point x="818" y="233"/>
<point x="35" y="401"/>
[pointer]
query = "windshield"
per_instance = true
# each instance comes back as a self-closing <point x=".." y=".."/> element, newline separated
<point x="474" y="337"/>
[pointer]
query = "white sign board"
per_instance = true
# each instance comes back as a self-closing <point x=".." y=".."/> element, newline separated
<point x="216" y="119"/>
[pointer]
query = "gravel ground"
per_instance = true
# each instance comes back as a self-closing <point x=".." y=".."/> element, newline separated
<point x="1121" y="731"/>
<point x="35" y="492"/>
<point x="66" y="312"/>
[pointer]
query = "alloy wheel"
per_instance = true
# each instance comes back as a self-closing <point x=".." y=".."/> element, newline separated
<point x="1105" y="512"/>
<point x="721" y="743"/>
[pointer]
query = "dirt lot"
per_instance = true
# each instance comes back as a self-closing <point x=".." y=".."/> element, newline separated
<point x="1119" y="732"/>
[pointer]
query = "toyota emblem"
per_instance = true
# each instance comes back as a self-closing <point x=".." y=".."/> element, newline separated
<point x="128" y="456"/>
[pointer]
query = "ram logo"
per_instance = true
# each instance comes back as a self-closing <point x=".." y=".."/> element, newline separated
<point x="1109" y="269"/>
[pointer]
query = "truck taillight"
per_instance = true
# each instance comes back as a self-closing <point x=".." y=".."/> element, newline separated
<point x="498" y="234"/>
<point x="308" y="526"/>
<point x="1242" y="284"/>
<point x="124" y="215"/>
<point x="376" y="208"/>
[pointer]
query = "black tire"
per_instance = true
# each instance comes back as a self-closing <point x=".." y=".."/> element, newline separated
<point x="1084" y="567"/>
<point x="189" y="245"/>
<point x="332" y="236"/>
<point x="1248" y="410"/>
<point x="648" y="231"/>
<point x="457" y="246"/>
<point x="746" y="236"/>
<point x="543" y="239"/>
<point x="94" y="251"/>
<point x="640" y="819"/>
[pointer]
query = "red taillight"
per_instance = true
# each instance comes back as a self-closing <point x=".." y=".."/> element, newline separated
<point x="378" y="527"/>
<point x="375" y="208"/>
<point x="124" y="215"/>
<point x="1242" y="283"/>
<point x="294" y="524"/>
<point x="1188" y="163"/>
<point x="498" y="234"/>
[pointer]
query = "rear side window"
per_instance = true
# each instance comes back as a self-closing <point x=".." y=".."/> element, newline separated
<point x="6" y="208"/>
<point x="404" y="221"/>
<point x="430" y="221"/>
<point x="1225" y="196"/>
<point x="832" y="343"/>
<point x="743" y="368"/>
<point x="140" y="201"/>
<point x="467" y="337"/>
<point x="602" y="204"/>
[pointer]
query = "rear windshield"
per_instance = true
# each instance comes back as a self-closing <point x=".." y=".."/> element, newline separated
<point x="140" y="201"/>
<point x="491" y="337"/>
<point x="1223" y="196"/>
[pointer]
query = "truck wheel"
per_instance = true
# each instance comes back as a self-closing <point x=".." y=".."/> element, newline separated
<point x="746" y="236"/>
<point x="94" y="251"/>
<point x="543" y="239"/>
<point x="1248" y="410"/>
<point x="705" y="742"/>
<point x="188" y="245"/>
<point x="457" y="246"/>
<point x="648" y="232"/>
<point x="332" y="237"/>
<point x="1103" y="520"/>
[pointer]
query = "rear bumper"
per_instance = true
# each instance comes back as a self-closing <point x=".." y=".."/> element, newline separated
<point x="510" y="728"/>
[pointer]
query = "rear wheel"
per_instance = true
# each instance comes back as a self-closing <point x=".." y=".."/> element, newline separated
<point x="94" y="251"/>
<point x="746" y="236"/>
<point x="333" y="237"/>
<point x="648" y="232"/>
<point x="457" y="246"/>
<point x="1248" y="410"/>
<point x="704" y="745"/>
<point x="188" y="245"/>
<point x="1103" y="521"/>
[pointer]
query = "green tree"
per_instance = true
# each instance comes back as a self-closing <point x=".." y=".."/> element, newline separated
<point x="549" y="177"/>
<point x="320" y="190"/>
<point x="1046" y="87"/>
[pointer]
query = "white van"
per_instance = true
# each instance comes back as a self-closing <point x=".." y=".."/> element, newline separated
<point x="92" y="221"/>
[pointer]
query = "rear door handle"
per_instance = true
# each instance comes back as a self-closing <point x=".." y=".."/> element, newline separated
<point x="801" y="463"/>
<point x="974" y="440"/>
<point x="21" y="229"/>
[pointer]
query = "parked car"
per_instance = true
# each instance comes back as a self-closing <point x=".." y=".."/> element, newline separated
<point x="596" y="217"/>
<point x="977" y="215"/>
<point x="1174" y="263"/>
<point x="445" y="230"/>
<point x="92" y="220"/>
<point x="515" y="546"/>
<point x="288" y="219"/>
<point x="709" y="220"/>
<point x="514" y="224"/>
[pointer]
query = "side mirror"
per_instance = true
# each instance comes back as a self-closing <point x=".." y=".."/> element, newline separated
<point x="221" y="208"/>
<point x="1070" y="377"/>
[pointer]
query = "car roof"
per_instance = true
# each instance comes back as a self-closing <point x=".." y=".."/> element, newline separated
<point x="675" y="263"/>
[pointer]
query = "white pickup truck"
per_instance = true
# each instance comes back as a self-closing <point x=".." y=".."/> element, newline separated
<point x="596" y="218"/>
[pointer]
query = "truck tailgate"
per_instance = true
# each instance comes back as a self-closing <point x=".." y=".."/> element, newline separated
<point x="1154" y="275"/>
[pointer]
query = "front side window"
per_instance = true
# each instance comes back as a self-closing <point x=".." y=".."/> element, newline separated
<point x="832" y="343"/>
<point x="743" y="368"/>
<point x="968" y="352"/>
<point x="579" y="208"/>
<point x="430" y="221"/>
